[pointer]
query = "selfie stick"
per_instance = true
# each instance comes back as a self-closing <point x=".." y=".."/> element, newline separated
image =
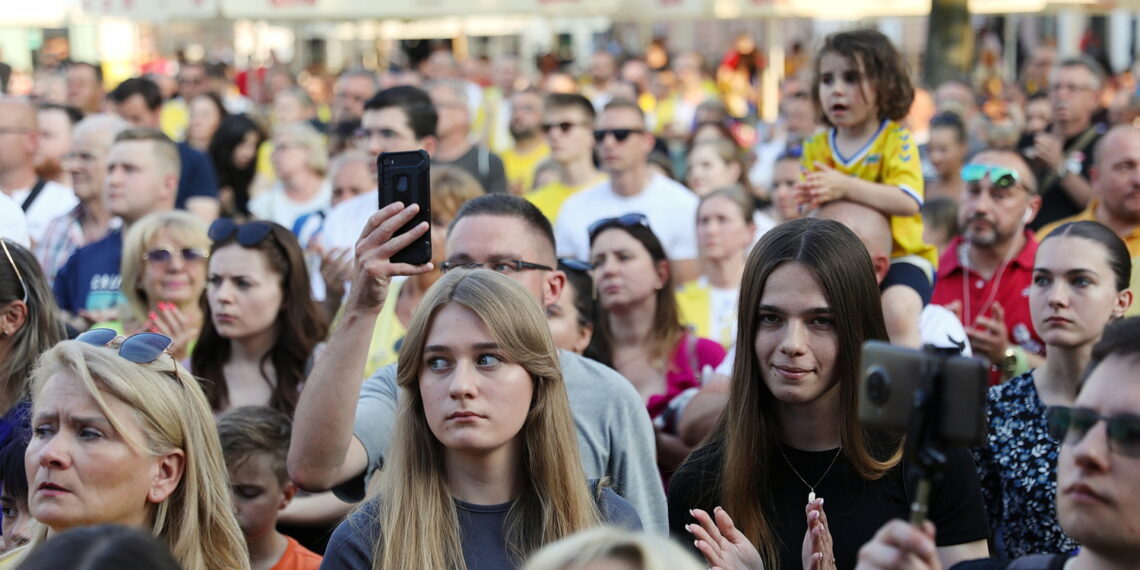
<point x="922" y="441"/>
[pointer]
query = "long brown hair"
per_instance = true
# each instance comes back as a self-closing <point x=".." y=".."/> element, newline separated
<point x="42" y="326"/>
<point x="300" y="327"/>
<point x="667" y="328"/>
<point x="419" y="524"/>
<point x="883" y="65"/>
<point x="748" y="430"/>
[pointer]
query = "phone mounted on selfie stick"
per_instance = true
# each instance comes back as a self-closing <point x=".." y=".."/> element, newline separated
<point x="935" y="396"/>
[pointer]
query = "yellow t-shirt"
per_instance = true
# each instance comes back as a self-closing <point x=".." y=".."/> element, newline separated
<point x="174" y="119"/>
<point x="891" y="158"/>
<point x="1134" y="310"/>
<point x="549" y="198"/>
<point x="387" y="335"/>
<point x="520" y="167"/>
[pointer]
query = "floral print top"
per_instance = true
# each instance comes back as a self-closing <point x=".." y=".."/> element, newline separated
<point x="1018" y="470"/>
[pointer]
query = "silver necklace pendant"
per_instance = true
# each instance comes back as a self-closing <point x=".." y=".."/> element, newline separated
<point x="811" y="497"/>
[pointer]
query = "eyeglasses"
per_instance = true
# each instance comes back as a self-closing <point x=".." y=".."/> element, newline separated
<point x="16" y="268"/>
<point x="506" y="266"/>
<point x="1070" y="425"/>
<point x="140" y="348"/>
<point x="626" y="221"/>
<point x="571" y="264"/>
<point x="188" y="255"/>
<point x="1070" y="87"/>
<point x="563" y="127"/>
<point x="248" y="234"/>
<point x="619" y="134"/>
<point x="1000" y="176"/>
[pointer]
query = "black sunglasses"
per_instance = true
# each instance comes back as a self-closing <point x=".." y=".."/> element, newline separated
<point x="1070" y="425"/>
<point x="619" y="134"/>
<point x="563" y="126"/>
<point x="572" y="264"/>
<point x="626" y="221"/>
<point x="140" y="348"/>
<point x="248" y="234"/>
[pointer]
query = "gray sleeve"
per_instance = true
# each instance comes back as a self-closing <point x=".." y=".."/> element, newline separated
<point x="632" y="461"/>
<point x="373" y="426"/>
<point x="497" y="177"/>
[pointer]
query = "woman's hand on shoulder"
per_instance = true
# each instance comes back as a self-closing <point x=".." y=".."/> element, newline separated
<point x="722" y="544"/>
<point x="817" y="552"/>
<point x="901" y="546"/>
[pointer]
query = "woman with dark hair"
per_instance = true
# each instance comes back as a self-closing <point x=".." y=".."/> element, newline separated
<point x="233" y="151"/>
<point x="261" y="326"/>
<point x="18" y="524"/>
<point x="639" y="327"/>
<point x="947" y="150"/>
<point x="808" y="301"/>
<point x="1080" y="285"/>
<point x="207" y="111"/>
<point x="573" y="318"/>
<point x="29" y="325"/>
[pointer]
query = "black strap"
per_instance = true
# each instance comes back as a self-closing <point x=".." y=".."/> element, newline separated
<point x="35" y="193"/>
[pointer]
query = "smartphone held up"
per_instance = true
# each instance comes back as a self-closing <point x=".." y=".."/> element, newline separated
<point x="406" y="177"/>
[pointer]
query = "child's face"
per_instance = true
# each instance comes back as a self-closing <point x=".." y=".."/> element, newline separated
<point x="258" y="495"/>
<point x="785" y="176"/>
<point x="846" y="93"/>
<point x="17" y="522"/>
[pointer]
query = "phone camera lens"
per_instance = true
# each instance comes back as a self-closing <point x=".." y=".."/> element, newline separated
<point x="878" y="387"/>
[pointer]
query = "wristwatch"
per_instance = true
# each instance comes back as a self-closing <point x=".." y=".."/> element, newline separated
<point x="1062" y="170"/>
<point x="1007" y="364"/>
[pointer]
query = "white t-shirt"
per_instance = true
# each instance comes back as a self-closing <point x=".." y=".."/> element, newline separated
<point x="670" y="207"/>
<point x="54" y="200"/>
<point x="273" y="205"/>
<point x="13" y="223"/>
<point x="347" y="219"/>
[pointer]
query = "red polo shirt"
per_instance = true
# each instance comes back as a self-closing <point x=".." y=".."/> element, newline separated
<point x="1012" y="292"/>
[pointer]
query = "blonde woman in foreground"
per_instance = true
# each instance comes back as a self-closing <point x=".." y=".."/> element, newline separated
<point x="484" y="468"/>
<point x="122" y="434"/>
<point x="608" y="548"/>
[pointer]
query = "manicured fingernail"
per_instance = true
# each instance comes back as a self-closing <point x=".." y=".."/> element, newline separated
<point x="152" y="315"/>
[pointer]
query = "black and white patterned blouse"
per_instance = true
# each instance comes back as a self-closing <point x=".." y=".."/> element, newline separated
<point x="1018" y="470"/>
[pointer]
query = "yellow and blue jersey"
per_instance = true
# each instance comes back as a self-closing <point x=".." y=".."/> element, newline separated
<point x="891" y="158"/>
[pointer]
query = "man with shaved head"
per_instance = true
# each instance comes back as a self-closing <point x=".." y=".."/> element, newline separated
<point x="1115" y="176"/>
<point x="41" y="200"/>
<point x="936" y="325"/>
<point x="90" y="220"/>
<point x="984" y="274"/>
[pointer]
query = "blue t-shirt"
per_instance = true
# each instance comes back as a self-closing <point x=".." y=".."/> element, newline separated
<point x="198" y="177"/>
<point x="90" y="279"/>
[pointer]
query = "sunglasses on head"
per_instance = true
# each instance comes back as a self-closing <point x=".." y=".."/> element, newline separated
<point x="1000" y="176"/>
<point x="619" y="134"/>
<point x="248" y="234"/>
<point x="1070" y="425"/>
<point x="188" y="255"/>
<point x="140" y="348"/>
<point x="626" y="221"/>
<point x="16" y="268"/>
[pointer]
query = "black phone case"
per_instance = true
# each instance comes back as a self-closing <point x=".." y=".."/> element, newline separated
<point x="405" y="177"/>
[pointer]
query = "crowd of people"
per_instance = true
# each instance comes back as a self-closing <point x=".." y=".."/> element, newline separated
<point x="637" y="342"/>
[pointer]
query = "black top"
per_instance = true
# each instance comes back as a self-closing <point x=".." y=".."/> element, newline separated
<point x="855" y="508"/>
<point x="1032" y="562"/>
<point x="1055" y="201"/>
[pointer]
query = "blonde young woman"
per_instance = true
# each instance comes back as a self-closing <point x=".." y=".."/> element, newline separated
<point x="122" y="434"/>
<point x="484" y="463"/>
<point x="607" y="548"/>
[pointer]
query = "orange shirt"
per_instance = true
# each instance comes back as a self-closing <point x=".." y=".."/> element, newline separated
<point x="297" y="557"/>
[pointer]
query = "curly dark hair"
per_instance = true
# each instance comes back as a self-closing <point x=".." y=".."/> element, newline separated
<point x="883" y="65"/>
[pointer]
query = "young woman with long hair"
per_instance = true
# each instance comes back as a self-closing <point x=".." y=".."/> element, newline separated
<point x="123" y="434"/>
<point x="808" y="301"/>
<point x="484" y="463"/>
<point x="261" y="325"/>
<point x="234" y="151"/>
<point x="1080" y="285"/>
